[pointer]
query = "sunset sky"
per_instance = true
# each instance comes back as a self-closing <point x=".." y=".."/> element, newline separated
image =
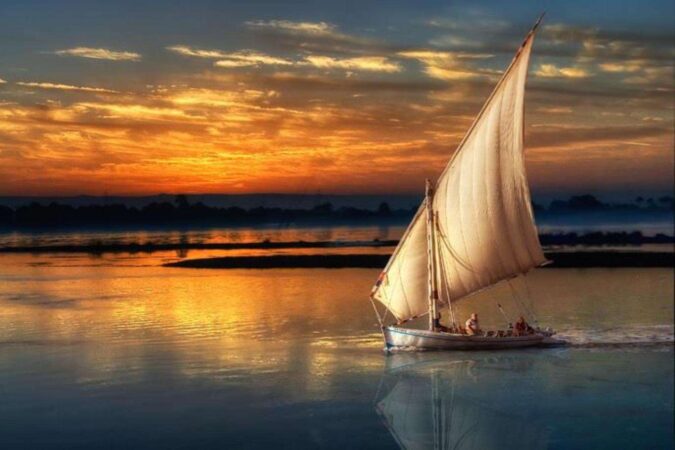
<point x="138" y="97"/>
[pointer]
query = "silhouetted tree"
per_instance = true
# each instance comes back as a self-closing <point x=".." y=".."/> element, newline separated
<point x="584" y="202"/>
<point x="6" y="216"/>
<point x="536" y="207"/>
<point x="667" y="201"/>
<point x="384" y="209"/>
<point x="323" y="208"/>
<point x="180" y="211"/>
<point x="181" y="201"/>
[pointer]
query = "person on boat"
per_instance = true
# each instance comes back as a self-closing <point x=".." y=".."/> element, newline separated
<point x="438" y="326"/>
<point x="521" y="327"/>
<point x="472" y="326"/>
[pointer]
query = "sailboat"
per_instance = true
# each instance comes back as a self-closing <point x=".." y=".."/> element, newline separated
<point x="474" y="229"/>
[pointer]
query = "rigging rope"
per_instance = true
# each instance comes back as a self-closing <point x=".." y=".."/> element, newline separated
<point x="444" y="281"/>
<point x="528" y="312"/>
<point x="447" y="291"/>
<point x="528" y="294"/>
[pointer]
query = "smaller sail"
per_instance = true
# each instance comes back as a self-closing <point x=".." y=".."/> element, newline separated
<point x="402" y="286"/>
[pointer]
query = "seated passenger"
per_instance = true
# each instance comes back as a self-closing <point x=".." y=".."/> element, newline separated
<point x="522" y="328"/>
<point x="472" y="326"/>
<point x="438" y="326"/>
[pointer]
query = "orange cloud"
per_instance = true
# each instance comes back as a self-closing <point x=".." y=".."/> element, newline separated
<point x="66" y="87"/>
<point x="308" y="28"/>
<point x="249" y="57"/>
<point x="620" y="68"/>
<point x="367" y="63"/>
<point x="243" y="139"/>
<point x="242" y="58"/>
<point x="99" y="53"/>
<point x="446" y="65"/>
<point x="196" y="52"/>
<point x="552" y="71"/>
<point x="301" y="125"/>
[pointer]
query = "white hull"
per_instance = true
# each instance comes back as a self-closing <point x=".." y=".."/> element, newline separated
<point x="396" y="337"/>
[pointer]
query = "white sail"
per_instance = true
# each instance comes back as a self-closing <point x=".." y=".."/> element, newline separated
<point x="402" y="287"/>
<point x="486" y="231"/>
<point x="485" y="225"/>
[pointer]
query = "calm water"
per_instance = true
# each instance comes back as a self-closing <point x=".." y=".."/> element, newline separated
<point x="117" y="352"/>
<point x="292" y="232"/>
<point x="210" y="235"/>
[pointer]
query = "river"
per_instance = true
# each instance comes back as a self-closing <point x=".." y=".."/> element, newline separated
<point x="117" y="351"/>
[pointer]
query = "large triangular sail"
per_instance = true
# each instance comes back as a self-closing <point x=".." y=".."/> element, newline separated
<point x="485" y="225"/>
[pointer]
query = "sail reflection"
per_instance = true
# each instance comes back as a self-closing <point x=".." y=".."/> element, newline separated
<point x="432" y="402"/>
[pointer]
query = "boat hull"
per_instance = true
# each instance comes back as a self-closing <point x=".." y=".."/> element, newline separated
<point x="396" y="337"/>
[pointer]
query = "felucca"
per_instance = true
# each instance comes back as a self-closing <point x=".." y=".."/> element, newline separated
<point x="474" y="229"/>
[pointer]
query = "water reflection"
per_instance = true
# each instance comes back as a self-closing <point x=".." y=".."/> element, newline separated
<point x="184" y="240"/>
<point x="431" y="401"/>
<point x="156" y="357"/>
<point x="207" y="235"/>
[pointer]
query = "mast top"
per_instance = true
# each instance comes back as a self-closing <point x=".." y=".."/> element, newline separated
<point x="429" y="188"/>
<point x="536" y="24"/>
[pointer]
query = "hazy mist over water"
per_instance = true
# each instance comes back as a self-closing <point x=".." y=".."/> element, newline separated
<point x="288" y="232"/>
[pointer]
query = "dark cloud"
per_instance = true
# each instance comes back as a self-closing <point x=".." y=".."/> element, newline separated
<point x="577" y="34"/>
<point x="595" y="89"/>
<point x="557" y="136"/>
<point x="565" y="41"/>
<point x="303" y="81"/>
<point x="318" y="37"/>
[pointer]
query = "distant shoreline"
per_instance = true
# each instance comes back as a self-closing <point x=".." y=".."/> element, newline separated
<point x="180" y="212"/>
<point x="161" y="247"/>
<point x="598" y="239"/>
<point x="607" y="259"/>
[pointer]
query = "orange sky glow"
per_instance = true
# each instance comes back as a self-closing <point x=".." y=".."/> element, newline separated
<point x="315" y="108"/>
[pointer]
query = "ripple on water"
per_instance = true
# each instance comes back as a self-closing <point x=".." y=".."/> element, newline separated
<point x="628" y="335"/>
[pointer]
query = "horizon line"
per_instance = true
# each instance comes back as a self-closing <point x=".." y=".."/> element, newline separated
<point x="320" y="194"/>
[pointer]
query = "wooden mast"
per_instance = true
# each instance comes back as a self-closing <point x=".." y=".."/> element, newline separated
<point x="431" y="246"/>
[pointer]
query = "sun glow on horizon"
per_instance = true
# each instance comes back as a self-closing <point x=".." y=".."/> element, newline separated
<point x="315" y="108"/>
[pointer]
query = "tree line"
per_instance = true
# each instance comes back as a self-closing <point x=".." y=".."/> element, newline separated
<point x="182" y="212"/>
<point x="56" y="215"/>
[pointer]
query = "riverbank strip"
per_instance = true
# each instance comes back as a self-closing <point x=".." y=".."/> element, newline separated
<point x="578" y="259"/>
